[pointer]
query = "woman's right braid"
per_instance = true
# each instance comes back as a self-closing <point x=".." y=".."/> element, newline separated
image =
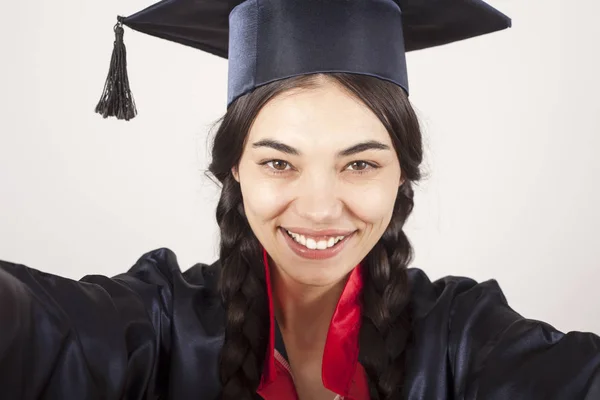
<point x="243" y="289"/>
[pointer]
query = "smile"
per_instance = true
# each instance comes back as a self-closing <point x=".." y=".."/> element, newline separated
<point x="315" y="243"/>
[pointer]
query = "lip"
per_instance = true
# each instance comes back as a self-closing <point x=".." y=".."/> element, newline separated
<point x="316" y="254"/>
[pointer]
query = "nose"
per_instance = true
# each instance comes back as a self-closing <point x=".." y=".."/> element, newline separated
<point x="318" y="199"/>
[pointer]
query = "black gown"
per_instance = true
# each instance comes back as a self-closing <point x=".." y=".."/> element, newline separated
<point x="155" y="333"/>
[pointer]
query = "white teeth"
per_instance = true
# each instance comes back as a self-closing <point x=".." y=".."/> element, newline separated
<point x="313" y="244"/>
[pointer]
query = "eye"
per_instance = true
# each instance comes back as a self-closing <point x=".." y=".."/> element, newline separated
<point x="278" y="165"/>
<point x="361" y="166"/>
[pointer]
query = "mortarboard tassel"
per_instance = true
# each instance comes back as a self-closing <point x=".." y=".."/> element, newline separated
<point x="117" y="99"/>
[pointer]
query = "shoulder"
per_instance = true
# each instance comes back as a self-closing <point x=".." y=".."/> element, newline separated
<point x="471" y="315"/>
<point x="157" y="280"/>
<point x="161" y="266"/>
<point x="447" y="292"/>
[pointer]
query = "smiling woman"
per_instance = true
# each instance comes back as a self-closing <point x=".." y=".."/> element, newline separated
<point x="293" y="175"/>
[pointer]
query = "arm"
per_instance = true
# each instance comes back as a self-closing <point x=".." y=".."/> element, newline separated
<point x="98" y="338"/>
<point x="495" y="353"/>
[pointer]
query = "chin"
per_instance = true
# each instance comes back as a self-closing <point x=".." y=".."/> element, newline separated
<point x="315" y="275"/>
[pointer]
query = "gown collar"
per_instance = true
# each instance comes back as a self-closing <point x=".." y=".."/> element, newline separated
<point x="341" y="372"/>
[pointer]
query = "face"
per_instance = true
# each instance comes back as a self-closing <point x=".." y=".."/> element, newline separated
<point x="319" y="178"/>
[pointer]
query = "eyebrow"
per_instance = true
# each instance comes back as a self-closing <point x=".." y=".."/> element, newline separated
<point x="357" y="148"/>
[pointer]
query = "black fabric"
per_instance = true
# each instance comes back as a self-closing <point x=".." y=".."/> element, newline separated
<point x="155" y="333"/>
<point x="269" y="40"/>
<point x="279" y="344"/>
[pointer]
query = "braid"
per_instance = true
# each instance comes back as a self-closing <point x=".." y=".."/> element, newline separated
<point x="243" y="289"/>
<point x="385" y="328"/>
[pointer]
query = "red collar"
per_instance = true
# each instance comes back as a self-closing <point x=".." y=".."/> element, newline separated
<point x="341" y="371"/>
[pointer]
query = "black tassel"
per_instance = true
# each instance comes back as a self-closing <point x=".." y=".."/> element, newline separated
<point x="117" y="99"/>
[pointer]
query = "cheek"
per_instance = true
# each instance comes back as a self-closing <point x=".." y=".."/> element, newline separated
<point x="263" y="198"/>
<point x="374" y="204"/>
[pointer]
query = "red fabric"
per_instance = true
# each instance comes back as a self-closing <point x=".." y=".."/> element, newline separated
<point x="340" y="357"/>
<point x="269" y="372"/>
<point x="281" y="387"/>
<point x="341" y="373"/>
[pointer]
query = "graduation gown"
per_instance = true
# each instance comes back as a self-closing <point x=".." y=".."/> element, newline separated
<point x="155" y="332"/>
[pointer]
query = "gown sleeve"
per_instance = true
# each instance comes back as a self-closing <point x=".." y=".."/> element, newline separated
<point x="97" y="338"/>
<point x="495" y="353"/>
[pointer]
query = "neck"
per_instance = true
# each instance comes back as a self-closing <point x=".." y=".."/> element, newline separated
<point x="304" y="312"/>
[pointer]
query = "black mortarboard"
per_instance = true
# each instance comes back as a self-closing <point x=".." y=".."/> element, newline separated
<point x="268" y="40"/>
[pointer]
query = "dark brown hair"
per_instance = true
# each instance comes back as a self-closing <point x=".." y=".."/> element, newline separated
<point x="385" y="326"/>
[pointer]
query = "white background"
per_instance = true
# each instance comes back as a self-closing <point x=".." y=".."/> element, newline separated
<point x="511" y="124"/>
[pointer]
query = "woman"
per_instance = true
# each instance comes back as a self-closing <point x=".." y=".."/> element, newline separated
<point x="311" y="297"/>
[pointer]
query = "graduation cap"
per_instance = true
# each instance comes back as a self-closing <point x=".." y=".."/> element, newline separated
<point x="268" y="40"/>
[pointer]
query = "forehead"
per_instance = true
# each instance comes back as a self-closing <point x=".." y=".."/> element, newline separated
<point x="325" y="116"/>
